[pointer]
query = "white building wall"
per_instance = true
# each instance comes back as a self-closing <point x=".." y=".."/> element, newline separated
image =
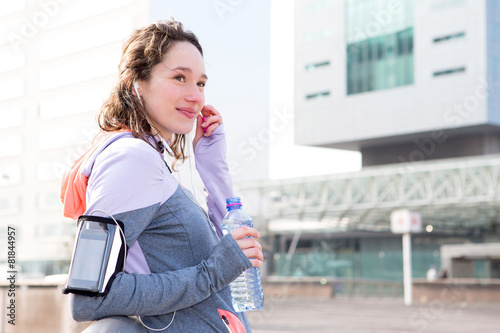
<point x="430" y="103"/>
<point x="493" y="40"/>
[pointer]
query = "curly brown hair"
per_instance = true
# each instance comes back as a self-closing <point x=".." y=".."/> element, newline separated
<point x="141" y="52"/>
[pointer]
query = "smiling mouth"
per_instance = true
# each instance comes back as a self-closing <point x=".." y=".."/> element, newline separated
<point x="190" y="113"/>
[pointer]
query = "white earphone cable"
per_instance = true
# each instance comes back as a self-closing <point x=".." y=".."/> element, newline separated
<point x="123" y="269"/>
<point x="121" y="232"/>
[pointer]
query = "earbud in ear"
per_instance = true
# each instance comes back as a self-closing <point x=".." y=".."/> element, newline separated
<point x="136" y="87"/>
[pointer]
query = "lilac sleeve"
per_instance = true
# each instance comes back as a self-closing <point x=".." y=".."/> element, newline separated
<point x="210" y="154"/>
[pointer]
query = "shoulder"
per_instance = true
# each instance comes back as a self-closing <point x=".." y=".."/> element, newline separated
<point x="132" y="147"/>
<point x="128" y="161"/>
<point x="130" y="152"/>
<point x="130" y="169"/>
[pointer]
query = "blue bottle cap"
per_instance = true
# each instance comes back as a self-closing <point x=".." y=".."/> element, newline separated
<point x="233" y="201"/>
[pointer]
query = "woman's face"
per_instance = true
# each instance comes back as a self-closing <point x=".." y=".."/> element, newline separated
<point x="173" y="95"/>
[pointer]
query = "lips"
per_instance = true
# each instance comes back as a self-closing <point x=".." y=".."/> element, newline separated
<point x="188" y="112"/>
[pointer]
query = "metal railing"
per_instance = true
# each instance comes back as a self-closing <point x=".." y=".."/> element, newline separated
<point x="452" y="193"/>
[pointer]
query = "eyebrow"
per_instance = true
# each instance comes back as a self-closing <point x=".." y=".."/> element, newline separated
<point x="186" y="69"/>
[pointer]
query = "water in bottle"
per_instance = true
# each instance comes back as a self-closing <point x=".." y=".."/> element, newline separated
<point x="246" y="290"/>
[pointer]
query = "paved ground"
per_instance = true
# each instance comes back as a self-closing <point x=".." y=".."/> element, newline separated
<point x="373" y="316"/>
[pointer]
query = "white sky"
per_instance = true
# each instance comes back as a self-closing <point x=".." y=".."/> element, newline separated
<point x="287" y="159"/>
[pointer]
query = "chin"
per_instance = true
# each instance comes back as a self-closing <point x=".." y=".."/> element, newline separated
<point x="185" y="130"/>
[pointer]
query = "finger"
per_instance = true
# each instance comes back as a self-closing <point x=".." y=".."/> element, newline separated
<point x="254" y="254"/>
<point x="199" y="120"/>
<point x="209" y="110"/>
<point x="210" y="129"/>
<point x="210" y="124"/>
<point x="199" y="127"/>
<point x="204" y="111"/>
<point x="256" y="263"/>
<point x="243" y="232"/>
<point x="249" y="243"/>
<point x="207" y="121"/>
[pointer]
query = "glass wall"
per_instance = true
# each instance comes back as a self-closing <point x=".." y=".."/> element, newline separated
<point x="367" y="258"/>
<point x="379" y="44"/>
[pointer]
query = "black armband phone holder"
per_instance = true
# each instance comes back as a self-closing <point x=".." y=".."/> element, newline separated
<point x="98" y="255"/>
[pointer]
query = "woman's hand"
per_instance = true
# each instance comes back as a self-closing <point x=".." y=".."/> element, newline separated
<point x="250" y="247"/>
<point x="208" y="120"/>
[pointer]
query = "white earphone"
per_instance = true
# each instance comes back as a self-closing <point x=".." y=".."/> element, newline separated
<point x="136" y="87"/>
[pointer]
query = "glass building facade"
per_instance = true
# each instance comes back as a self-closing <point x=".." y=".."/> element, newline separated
<point x="378" y="257"/>
<point x="367" y="261"/>
<point x="379" y="44"/>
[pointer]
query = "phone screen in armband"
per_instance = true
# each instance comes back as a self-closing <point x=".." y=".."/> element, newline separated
<point x="89" y="256"/>
<point x="97" y="256"/>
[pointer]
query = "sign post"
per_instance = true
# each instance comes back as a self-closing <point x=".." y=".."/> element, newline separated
<point x="405" y="222"/>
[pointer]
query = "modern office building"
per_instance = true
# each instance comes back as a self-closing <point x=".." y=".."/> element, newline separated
<point x="398" y="80"/>
<point x="415" y="87"/>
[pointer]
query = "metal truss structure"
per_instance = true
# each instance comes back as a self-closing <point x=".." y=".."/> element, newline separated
<point x="453" y="194"/>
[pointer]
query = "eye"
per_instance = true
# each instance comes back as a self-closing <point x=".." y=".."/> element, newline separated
<point x="202" y="84"/>
<point x="180" y="78"/>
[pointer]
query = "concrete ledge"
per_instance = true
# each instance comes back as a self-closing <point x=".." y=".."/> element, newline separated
<point x="327" y="287"/>
<point x="457" y="290"/>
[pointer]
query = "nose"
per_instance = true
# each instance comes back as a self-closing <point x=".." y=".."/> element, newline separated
<point x="195" y="94"/>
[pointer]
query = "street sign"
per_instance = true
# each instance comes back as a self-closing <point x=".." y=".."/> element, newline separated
<point x="404" y="221"/>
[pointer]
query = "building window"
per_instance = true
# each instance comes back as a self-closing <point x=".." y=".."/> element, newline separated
<point x="449" y="71"/>
<point x="378" y="56"/>
<point x="76" y="40"/>
<point x="445" y="4"/>
<point x="10" y="175"/>
<point x="10" y="205"/>
<point x="317" y="5"/>
<point x="58" y="231"/>
<point x="317" y="35"/>
<point x="311" y="67"/>
<point x="79" y="137"/>
<point x="79" y="70"/>
<point x="49" y="201"/>
<point x="81" y="10"/>
<point x="318" y="95"/>
<point x="57" y="107"/>
<point x="448" y="37"/>
<point x="10" y="7"/>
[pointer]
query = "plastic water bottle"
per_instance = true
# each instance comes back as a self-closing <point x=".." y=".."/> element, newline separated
<point x="246" y="290"/>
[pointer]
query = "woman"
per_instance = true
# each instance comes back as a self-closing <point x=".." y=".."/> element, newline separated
<point x="178" y="266"/>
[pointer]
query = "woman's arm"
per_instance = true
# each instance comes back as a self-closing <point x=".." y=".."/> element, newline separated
<point x="162" y="293"/>
<point x="210" y="154"/>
